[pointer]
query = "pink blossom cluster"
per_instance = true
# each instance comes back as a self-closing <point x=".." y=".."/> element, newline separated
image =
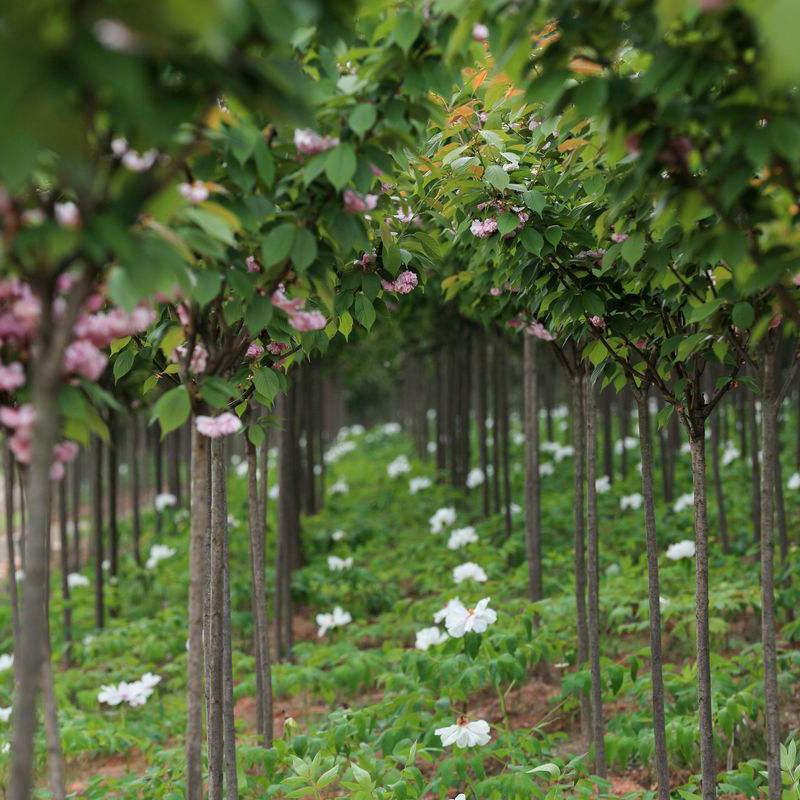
<point x="12" y="376"/>
<point x="85" y="359"/>
<point x="199" y="362"/>
<point x="103" y="328"/>
<point x="252" y="264"/>
<point x="619" y="237"/>
<point x="355" y="203"/>
<point x="195" y="192"/>
<point x="19" y="311"/>
<point x="277" y="348"/>
<point x="483" y="229"/>
<point x="131" y="159"/>
<point x="222" y="425"/>
<point x="597" y="321"/>
<point x="299" y="319"/>
<point x="404" y="283"/>
<point x="536" y="329"/>
<point x="309" y="143"/>
<point x="255" y="350"/>
<point x="367" y="259"/>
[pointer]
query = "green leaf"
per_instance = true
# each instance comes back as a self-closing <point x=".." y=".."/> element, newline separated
<point x="266" y="383"/>
<point x="532" y="240"/>
<point x="364" y="311"/>
<point x="633" y="248"/>
<point x="743" y="315"/>
<point x="278" y="244"/>
<point x="217" y="392"/>
<point x="123" y="363"/>
<point x="206" y="287"/>
<point x="171" y="409"/>
<point x="340" y="165"/>
<point x="507" y="223"/>
<point x="362" y="118"/>
<point x="534" y="199"/>
<point x="553" y="234"/>
<point x="265" y="163"/>
<point x="406" y="30"/>
<point x="304" y="250"/>
<point x="258" y="314"/>
<point x="345" y="324"/>
<point x="496" y="177"/>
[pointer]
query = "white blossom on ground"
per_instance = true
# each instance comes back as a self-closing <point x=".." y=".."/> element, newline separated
<point x="6" y="661"/>
<point x="429" y="637"/>
<point x="465" y="733"/>
<point x="469" y="571"/>
<point x="75" y="580"/>
<point x="683" y="502"/>
<point x="399" y="466"/>
<point x="441" y="614"/>
<point x="340" y="487"/>
<point x="336" y="564"/>
<point x="337" y="536"/>
<point x="475" y="478"/>
<point x="633" y="501"/>
<point x="794" y="482"/>
<point x="461" y="537"/>
<point x="5" y="714"/>
<point x="461" y="620"/>
<point x="731" y="454"/>
<point x="165" y="500"/>
<point x="602" y="484"/>
<point x="679" y="550"/>
<point x="134" y="694"/>
<point x="273" y="492"/>
<point x="336" y="619"/>
<point x="443" y="517"/>
<point x="612" y="570"/>
<point x="418" y="484"/>
<point x="546" y="468"/>
<point x="159" y="552"/>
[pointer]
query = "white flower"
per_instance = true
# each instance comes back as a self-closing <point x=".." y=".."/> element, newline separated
<point x="612" y="570"/>
<point x="663" y="602"/>
<point x="469" y="571"/>
<point x="336" y="619"/>
<point x="337" y="536"/>
<point x="546" y="468"/>
<point x="549" y="447"/>
<point x="518" y="438"/>
<point x="460" y="796"/>
<point x="158" y="552"/>
<point x="241" y="469"/>
<point x="442" y="518"/>
<point x="336" y="564"/>
<point x="165" y="500"/>
<point x="686" y="448"/>
<point x="462" y="536"/>
<point x="731" y="454"/>
<point x="441" y="614"/>
<point x="338" y="450"/>
<point x="794" y="482"/>
<point x="465" y="733"/>
<point x="195" y="192"/>
<point x="274" y="491"/>
<point x="75" y="579"/>
<point x="390" y="428"/>
<point x="418" y="484"/>
<point x="5" y="714"/>
<point x="628" y="443"/>
<point x="475" y="478"/>
<point x="340" y="487"/>
<point x="461" y="620"/>
<point x="431" y="447"/>
<point x="679" y="550"/>
<point x="429" y="637"/>
<point x="398" y="467"/>
<point x="567" y="451"/>
<point x="134" y="694"/>
<point x="683" y="502"/>
<point x="602" y="484"/>
<point x="633" y="501"/>
<point x="19" y="575"/>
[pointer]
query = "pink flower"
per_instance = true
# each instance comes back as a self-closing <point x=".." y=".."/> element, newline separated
<point x="310" y="143"/>
<point x="597" y="321"/>
<point x="305" y="321"/>
<point x="538" y="330"/>
<point x="480" y="33"/>
<point x="276" y="348"/>
<point x="404" y="283"/>
<point x="195" y="192"/>
<point x="255" y="350"/>
<point x="11" y="376"/>
<point x="523" y="217"/>
<point x="102" y="329"/>
<point x="27" y="310"/>
<point x="65" y="451"/>
<point x="139" y="162"/>
<point x="366" y="259"/>
<point x="67" y="214"/>
<point x="375" y="170"/>
<point x="280" y="300"/>
<point x="57" y="471"/>
<point x="483" y="230"/>
<point x="495" y="291"/>
<point x="183" y="315"/>
<point x="619" y="237"/>
<point x="199" y="361"/>
<point x="252" y="264"/>
<point x="84" y="359"/>
<point x="355" y="203"/>
<point x="404" y="215"/>
<point x="22" y="417"/>
<point x="21" y="446"/>
<point x="222" y="425"/>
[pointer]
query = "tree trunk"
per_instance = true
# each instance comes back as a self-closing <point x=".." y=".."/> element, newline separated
<point x="654" y="597"/>
<point x="286" y="513"/>
<point x="593" y="568"/>
<point x="441" y="411"/>
<point x="8" y="485"/>
<point x="780" y="504"/>
<point x="76" y="475"/>
<point x="113" y="529"/>
<point x="136" y="498"/>
<point x="501" y="432"/>
<point x="64" y="558"/>
<point x="55" y="757"/>
<point x="497" y="377"/>
<point x="578" y="428"/>
<point x="770" y="376"/>
<point x="216" y="610"/>
<point x="259" y="599"/>
<point x="99" y="554"/>
<point x="707" y="759"/>
<point x="200" y="503"/>
<point x="722" y="517"/>
<point x="533" y="511"/>
<point x="624" y="415"/>
<point x="608" y="435"/>
<point x="481" y="403"/>
<point x="755" y="466"/>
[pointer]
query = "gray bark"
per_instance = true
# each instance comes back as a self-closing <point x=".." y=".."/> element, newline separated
<point x="533" y="511"/>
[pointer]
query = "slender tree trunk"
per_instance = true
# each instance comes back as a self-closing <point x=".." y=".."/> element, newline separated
<point x="259" y="599"/>
<point x="99" y="554"/>
<point x="76" y="473"/>
<point x="755" y="466"/>
<point x="497" y="377"/>
<point x="136" y="492"/>
<point x="722" y="517"/>
<point x="175" y="465"/>
<point x="200" y="503"/>
<point x="482" y="397"/>
<point x="533" y="511"/>
<point x="158" y="464"/>
<point x="8" y="485"/>
<point x="216" y="610"/>
<point x="707" y="759"/>
<point x="55" y="757"/>
<point x="286" y="514"/>
<point x="502" y="436"/>
<point x="441" y="410"/>
<point x="593" y="568"/>
<point x="624" y="414"/>
<point x="654" y="597"/>
<point x="608" y="435"/>
<point x="780" y="504"/>
<point x="113" y="529"/>
<point x="770" y="377"/>
<point x="579" y="515"/>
